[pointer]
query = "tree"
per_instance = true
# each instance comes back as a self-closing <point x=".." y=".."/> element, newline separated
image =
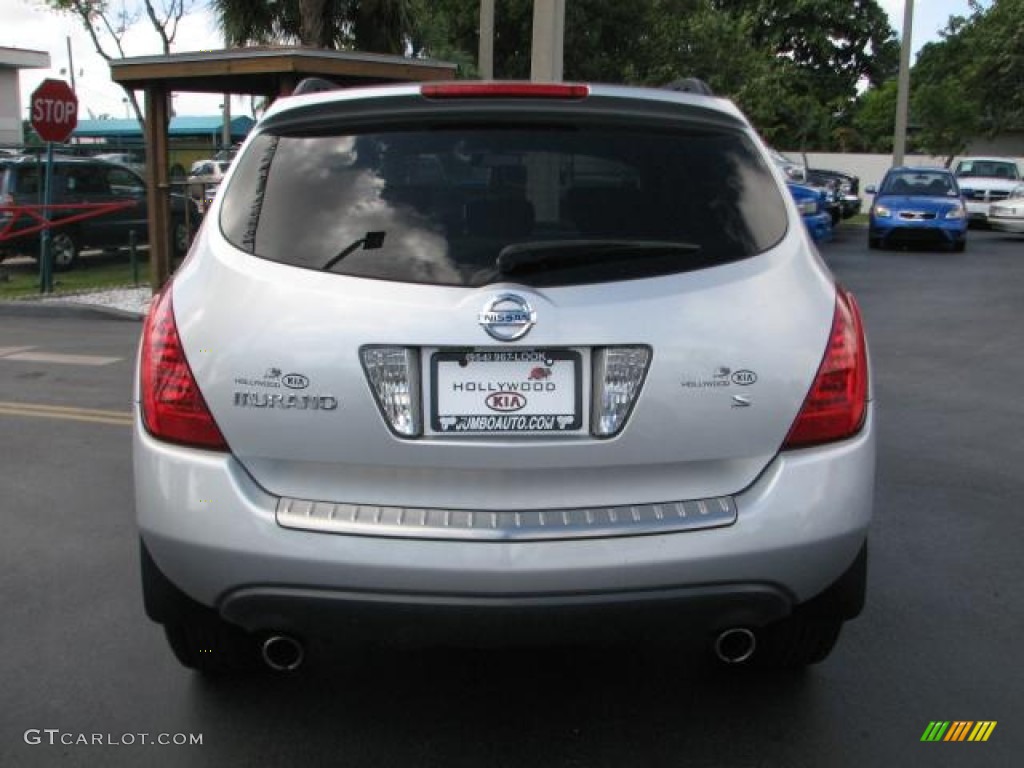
<point x="108" y="23"/>
<point x="791" y="66"/>
<point x="996" y="75"/>
<point x="874" y="118"/>
<point x="836" y="44"/>
<point x="381" y="26"/>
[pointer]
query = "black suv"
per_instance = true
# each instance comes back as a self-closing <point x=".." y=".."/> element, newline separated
<point x="79" y="181"/>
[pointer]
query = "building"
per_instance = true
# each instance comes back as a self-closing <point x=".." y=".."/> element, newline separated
<point x="11" y="61"/>
<point x="190" y="138"/>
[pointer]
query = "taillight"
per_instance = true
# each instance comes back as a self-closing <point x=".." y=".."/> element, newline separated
<point x="837" y="402"/>
<point x="173" y="408"/>
<point x="510" y="90"/>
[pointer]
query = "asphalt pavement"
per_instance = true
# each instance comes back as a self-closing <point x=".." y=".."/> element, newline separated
<point x="940" y="638"/>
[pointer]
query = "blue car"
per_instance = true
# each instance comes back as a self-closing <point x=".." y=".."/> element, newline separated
<point x="812" y="203"/>
<point x="918" y="205"/>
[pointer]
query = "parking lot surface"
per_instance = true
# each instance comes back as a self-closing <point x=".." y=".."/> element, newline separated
<point x="939" y="640"/>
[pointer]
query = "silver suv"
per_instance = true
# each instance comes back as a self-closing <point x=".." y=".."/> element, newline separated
<point x="503" y="362"/>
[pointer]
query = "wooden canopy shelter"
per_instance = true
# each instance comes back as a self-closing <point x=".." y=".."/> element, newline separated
<point x="269" y="72"/>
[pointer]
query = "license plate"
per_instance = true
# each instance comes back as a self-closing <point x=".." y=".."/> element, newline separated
<point x="524" y="390"/>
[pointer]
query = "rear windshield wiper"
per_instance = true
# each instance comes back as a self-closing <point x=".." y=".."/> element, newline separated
<point x="522" y="257"/>
<point x="370" y="241"/>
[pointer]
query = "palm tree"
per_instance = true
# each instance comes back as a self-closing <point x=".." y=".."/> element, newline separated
<point x="381" y="26"/>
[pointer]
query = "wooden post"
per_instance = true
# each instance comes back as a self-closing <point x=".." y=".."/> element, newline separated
<point x="158" y="199"/>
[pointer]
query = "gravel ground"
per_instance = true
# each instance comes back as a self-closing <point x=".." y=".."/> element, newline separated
<point x="133" y="300"/>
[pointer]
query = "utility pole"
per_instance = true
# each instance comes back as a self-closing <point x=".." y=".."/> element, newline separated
<point x="71" y="64"/>
<point x="899" y="139"/>
<point x="225" y="136"/>
<point x="485" y="57"/>
<point x="548" y="40"/>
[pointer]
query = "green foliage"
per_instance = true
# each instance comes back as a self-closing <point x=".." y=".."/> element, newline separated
<point x="996" y="74"/>
<point x="874" y="120"/>
<point x="970" y="82"/>
<point x="380" y="26"/>
<point x="792" y="67"/>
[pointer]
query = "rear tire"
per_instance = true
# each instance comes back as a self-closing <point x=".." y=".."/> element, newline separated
<point x="180" y="238"/>
<point x="198" y="636"/>
<point x="809" y="635"/>
<point x="796" y="642"/>
<point x="64" y="250"/>
<point x="211" y="646"/>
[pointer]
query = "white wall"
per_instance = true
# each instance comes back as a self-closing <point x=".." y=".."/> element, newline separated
<point x="10" y="103"/>
<point x="868" y="168"/>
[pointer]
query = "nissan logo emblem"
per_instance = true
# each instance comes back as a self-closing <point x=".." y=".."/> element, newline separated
<point x="507" y="317"/>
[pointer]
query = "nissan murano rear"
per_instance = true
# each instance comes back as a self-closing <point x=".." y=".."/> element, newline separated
<point x="480" y="363"/>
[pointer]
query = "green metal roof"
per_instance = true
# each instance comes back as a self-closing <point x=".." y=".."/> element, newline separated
<point x="185" y="125"/>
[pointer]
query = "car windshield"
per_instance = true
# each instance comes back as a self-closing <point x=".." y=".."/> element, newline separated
<point x="989" y="169"/>
<point x="920" y="184"/>
<point x="443" y="204"/>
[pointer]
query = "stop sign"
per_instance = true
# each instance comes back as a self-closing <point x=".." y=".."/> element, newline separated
<point x="54" y="110"/>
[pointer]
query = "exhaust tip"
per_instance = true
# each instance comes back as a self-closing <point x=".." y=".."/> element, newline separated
<point x="283" y="653"/>
<point x="736" y="645"/>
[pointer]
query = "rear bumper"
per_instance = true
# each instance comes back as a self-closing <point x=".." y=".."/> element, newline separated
<point x="1013" y="224"/>
<point x="213" y="532"/>
<point x="649" y="617"/>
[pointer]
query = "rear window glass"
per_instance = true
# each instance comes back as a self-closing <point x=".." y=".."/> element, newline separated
<point x="439" y="206"/>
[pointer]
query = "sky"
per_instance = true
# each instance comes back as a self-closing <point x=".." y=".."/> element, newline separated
<point x="27" y="24"/>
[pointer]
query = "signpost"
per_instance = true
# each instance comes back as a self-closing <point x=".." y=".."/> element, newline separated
<point x="54" y="117"/>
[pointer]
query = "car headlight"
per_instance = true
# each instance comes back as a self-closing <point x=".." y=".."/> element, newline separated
<point x="807" y="208"/>
<point x="882" y="212"/>
<point x="955" y="213"/>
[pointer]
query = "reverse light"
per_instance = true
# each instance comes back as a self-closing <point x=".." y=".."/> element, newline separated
<point x="618" y="376"/>
<point x="508" y="90"/>
<point x="836" y="404"/>
<point x="394" y="375"/>
<point x="173" y="408"/>
<point x="882" y="212"/>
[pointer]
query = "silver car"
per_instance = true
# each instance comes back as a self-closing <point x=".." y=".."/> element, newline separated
<point x="479" y="363"/>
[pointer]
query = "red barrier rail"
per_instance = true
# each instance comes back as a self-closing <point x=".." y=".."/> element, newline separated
<point x="12" y="214"/>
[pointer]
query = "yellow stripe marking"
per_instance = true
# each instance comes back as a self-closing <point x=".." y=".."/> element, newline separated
<point x="91" y="415"/>
<point x="988" y="731"/>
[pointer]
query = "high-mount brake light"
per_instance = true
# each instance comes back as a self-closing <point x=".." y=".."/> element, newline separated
<point x="835" y="407"/>
<point x="504" y="91"/>
<point x="173" y="408"/>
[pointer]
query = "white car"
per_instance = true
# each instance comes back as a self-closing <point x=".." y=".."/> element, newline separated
<point x="1008" y="216"/>
<point x="488" y="362"/>
<point x="204" y="178"/>
<point x="984" y="181"/>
